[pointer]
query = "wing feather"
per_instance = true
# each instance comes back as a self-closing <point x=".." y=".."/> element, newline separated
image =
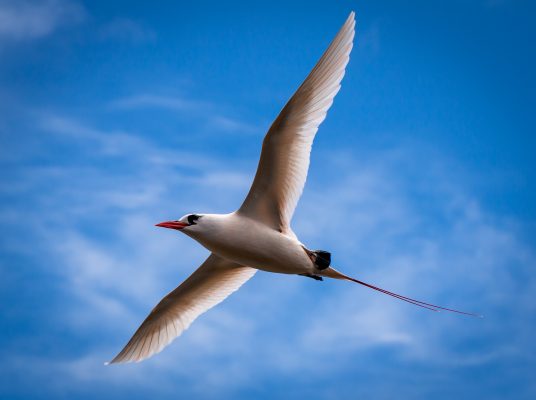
<point x="284" y="160"/>
<point x="208" y="286"/>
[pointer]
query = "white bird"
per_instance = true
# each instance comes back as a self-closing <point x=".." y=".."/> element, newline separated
<point x="258" y="235"/>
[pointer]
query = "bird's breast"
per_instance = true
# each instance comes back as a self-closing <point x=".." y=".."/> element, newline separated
<point x="256" y="245"/>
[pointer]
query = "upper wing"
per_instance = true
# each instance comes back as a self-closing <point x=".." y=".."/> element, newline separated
<point x="209" y="285"/>
<point x="284" y="161"/>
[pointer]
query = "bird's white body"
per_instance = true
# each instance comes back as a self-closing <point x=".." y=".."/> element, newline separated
<point x="248" y="242"/>
<point x="258" y="235"/>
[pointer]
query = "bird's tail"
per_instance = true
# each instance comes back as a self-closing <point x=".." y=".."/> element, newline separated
<point x="333" y="273"/>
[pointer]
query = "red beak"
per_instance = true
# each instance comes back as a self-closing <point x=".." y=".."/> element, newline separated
<point x="172" y="225"/>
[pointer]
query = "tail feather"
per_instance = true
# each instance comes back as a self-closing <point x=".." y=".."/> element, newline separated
<point x="333" y="273"/>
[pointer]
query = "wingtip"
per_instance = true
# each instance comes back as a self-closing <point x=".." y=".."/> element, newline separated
<point x="350" y="22"/>
<point x="114" y="360"/>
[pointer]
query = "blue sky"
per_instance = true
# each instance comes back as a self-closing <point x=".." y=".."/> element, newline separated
<point x="118" y="115"/>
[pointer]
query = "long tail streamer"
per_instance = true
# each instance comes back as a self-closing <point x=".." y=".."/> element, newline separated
<point x="419" y="303"/>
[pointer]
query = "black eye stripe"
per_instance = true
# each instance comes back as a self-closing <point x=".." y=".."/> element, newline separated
<point x="192" y="218"/>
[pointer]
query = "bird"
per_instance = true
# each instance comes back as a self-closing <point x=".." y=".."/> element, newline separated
<point x="258" y="236"/>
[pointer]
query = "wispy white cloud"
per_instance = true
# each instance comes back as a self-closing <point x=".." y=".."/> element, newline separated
<point x="228" y="124"/>
<point x="23" y="20"/>
<point x="119" y="143"/>
<point x="370" y="39"/>
<point x="147" y="100"/>
<point x="371" y="219"/>
<point x="109" y="143"/>
<point x="388" y="238"/>
<point x="126" y="29"/>
<point x="211" y="115"/>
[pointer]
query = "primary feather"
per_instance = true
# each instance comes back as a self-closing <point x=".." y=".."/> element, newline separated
<point x="208" y="286"/>
<point x="284" y="160"/>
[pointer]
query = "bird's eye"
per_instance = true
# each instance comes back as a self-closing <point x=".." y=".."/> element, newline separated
<point x="192" y="218"/>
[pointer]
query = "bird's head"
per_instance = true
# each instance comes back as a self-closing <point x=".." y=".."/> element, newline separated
<point x="187" y="222"/>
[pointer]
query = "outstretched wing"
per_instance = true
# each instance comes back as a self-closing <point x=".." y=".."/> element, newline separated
<point x="284" y="161"/>
<point x="209" y="285"/>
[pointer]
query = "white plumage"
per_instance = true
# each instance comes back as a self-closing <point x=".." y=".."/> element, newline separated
<point x="268" y="243"/>
<point x="258" y="234"/>
<point x="213" y="281"/>
<point x="284" y="161"/>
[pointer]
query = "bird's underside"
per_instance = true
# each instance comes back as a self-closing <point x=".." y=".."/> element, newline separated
<point x="258" y="234"/>
<point x="271" y="201"/>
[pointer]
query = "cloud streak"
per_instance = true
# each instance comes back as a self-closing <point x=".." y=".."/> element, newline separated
<point x="157" y="101"/>
<point x="369" y="221"/>
<point x="126" y="29"/>
<point x="26" y="20"/>
<point x="213" y="118"/>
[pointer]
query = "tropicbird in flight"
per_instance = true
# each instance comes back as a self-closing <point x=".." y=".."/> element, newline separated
<point x="258" y="235"/>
